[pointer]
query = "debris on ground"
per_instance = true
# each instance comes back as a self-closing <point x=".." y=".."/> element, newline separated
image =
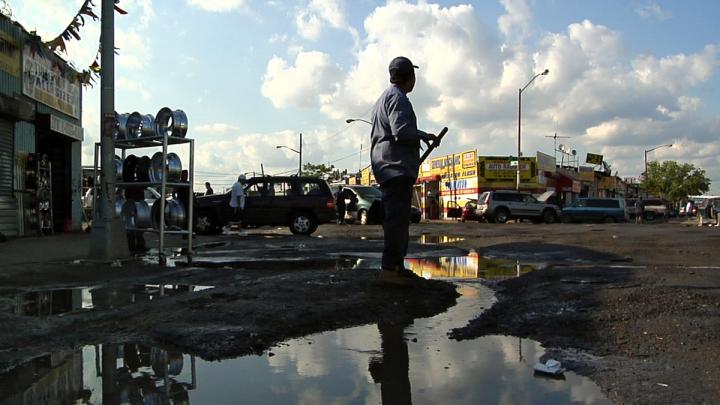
<point x="551" y="367"/>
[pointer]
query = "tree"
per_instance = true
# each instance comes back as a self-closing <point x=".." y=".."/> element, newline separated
<point x="674" y="181"/>
<point x="320" y="170"/>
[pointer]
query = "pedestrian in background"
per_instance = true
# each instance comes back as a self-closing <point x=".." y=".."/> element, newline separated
<point x="208" y="189"/>
<point x="639" y="211"/>
<point x="340" y="204"/>
<point x="237" y="198"/>
<point x="395" y="158"/>
<point x="702" y="212"/>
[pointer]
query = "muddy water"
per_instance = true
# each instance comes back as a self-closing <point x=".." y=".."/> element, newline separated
<point x="61" y="301"/>
<point x="413" y="362"/>
<point x="410" y="363"/>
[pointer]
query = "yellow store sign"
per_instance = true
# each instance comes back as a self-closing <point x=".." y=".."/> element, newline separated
<point x="456" y="166"/>
<point x="499" y="171"/>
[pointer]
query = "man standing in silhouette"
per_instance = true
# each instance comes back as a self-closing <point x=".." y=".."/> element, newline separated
<point x="395" y="158"/>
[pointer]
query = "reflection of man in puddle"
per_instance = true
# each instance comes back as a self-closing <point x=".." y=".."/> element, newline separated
<point x="392" y="370"/>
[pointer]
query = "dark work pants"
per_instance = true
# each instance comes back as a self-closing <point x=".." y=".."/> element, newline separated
<point x="341" y="213"/>
<point x="396" y="198"/>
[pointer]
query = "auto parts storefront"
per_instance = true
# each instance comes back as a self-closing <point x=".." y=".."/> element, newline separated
<point x="446" y="183"/>
<point x="54" y="136"/>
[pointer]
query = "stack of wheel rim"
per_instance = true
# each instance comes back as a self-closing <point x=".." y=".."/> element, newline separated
<point x="167" y="122"/>
<point x="137" y="126"/>
<point x="174" y="214"/>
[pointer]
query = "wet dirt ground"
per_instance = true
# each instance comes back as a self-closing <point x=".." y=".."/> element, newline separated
<point x="634" y="308"/>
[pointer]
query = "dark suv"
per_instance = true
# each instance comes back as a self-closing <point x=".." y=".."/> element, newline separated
<point x="301" y="203"/>
<point x="499" y="206"/>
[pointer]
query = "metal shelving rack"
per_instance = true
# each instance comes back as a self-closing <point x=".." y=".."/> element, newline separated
<point x="44" y="221"/>
<point x="156" y="142"/>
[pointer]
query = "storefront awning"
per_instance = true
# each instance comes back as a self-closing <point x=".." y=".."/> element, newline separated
<point x="427" y="179"/>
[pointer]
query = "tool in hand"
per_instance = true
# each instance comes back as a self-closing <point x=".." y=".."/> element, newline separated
<point x="433" y="145"/>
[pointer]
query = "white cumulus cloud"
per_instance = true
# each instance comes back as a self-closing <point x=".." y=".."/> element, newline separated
<point x="652" y="11"/>
<point x="312" y="78"/>
<point x="313" y="18"/>
<point x="217" y="6"/>
<point x="607" y="100"/>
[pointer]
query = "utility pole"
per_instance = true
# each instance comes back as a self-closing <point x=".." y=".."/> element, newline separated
<point x="108" y="241"/>
<point x="300" y="162"/>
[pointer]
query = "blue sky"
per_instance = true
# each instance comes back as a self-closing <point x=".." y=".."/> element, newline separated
<point x="625" y="76"/>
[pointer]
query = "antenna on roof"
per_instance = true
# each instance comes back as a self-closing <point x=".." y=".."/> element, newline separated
<point x="555" y="138"/>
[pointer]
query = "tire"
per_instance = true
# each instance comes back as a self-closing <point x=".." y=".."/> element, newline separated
<point x="363" y="217"/>
<point x="206" y="223"/>
<point x="302" y="223"/>
<point x="549" y="217"/>
<point x="501" y="215"/>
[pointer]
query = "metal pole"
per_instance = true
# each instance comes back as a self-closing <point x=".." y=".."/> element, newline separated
<point x="645" y="173"/>
<point x="300" y="168"/>
<point x="108" y="240"/>
<point x="520" y="90"/>
<point x="163" y="203"/>
<point x="517" y="172"/>
<point x="192" y="198"/>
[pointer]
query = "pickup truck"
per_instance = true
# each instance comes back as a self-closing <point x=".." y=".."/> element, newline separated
<point x="301" y="203"/>
<point x="655" y="208"/>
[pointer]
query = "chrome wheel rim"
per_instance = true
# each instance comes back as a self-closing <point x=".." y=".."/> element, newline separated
<point x="301" y="224"/>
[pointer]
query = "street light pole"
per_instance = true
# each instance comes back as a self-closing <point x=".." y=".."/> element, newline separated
<point x="517" y="169"/>
<point x="519" y="152"/>
<point x="299" y="152"/>
<point x="669" y="145"/>
<point x="351" y="120"/>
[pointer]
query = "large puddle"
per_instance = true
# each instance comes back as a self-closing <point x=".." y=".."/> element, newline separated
<point x="390" y="364"/>
<point x="62" y="301"/>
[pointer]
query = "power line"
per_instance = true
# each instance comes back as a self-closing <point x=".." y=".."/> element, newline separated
<point x="345" y="128"/>
<point x="349" y="156"/>
<point x="285" y="172"/>
<point x="329" y="137"/>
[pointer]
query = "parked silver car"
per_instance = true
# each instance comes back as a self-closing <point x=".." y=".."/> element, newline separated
<point x="499" y="206"/>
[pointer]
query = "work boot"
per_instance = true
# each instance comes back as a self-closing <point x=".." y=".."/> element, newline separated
<point x="409" y="274"/>
<point x="399" y="276"/>
<point x="394" y="278"/>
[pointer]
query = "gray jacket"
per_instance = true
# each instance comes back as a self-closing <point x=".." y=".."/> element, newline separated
<point x="395" y="138"/>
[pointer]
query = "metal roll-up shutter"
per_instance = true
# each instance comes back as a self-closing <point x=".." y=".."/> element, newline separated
<point x="6" y="157"/>
<point x="8" y="208"/>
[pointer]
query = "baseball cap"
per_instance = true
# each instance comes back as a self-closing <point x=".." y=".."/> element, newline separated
<point x="401" y="69"/>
